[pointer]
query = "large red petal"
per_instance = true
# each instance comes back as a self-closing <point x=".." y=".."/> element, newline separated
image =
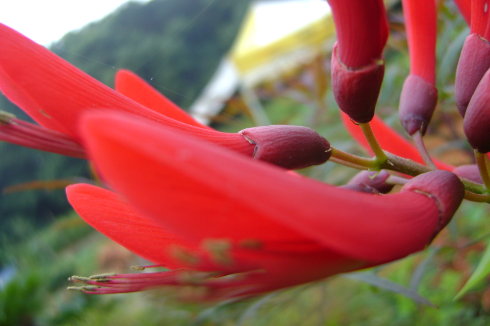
<point x="55" y="93"/>
<point x="131" y="85"/>
<point x="389" y="140"/>
<point x="221" y="194"/>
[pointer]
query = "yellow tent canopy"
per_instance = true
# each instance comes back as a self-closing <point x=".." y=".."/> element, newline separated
<point x="276" y="36"/>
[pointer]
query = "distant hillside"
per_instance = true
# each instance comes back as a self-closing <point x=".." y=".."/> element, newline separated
<point x="177" y="44"/>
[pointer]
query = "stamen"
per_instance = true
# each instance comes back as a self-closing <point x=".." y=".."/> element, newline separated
<point x="26" y="134"/>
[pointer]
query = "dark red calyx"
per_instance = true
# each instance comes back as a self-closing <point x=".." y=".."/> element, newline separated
<point x="477" y="118"/>
<point x="290" y="147"/>
<point x="443" y="187"/>
<point x="373" y="182"/>
<point x="356" y="90"/>
<point x="469" y="172"/>
<point x="417" y="103"/>
<point x="473" y="62"/>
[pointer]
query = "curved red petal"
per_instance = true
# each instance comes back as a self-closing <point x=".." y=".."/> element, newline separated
<point x="220" y="194"/>
<point x="134" y="87"/>
<point x="479" y="17"/>
<point x="108" y="214"/>
<point x="55" y="93"/>
<point x="389" y="140"/>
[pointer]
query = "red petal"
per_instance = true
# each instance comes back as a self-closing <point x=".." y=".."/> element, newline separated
<point x="362" y="30"/>
<point x="389" y="140"/>
<point x="420" y="22"/>
<point x="108" y="214"/>
<point x="131" y="85"/>
<point x="464" y="7"/>
<point x="55" y="93"/>
<point x="201" y="191"/>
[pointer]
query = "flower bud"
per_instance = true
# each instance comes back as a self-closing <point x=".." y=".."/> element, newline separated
<point x="417" y="102"/>
<point x="469" y="172"/>
<point x="442" y="186"/>
<point x="373" y="182"/>
<point x="291" y="147"/>
<point x="473" y="62"/>
<point x="477" y="117"/>
<point x="356" y="90"/>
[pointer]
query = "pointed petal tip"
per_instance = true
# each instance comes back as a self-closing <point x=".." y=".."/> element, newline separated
<point x="417" y="103"/>
<point x="442" y="186"/>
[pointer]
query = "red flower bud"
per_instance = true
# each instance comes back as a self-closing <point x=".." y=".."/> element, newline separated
<point x="477" y="117"/>
<point x="373" y="182"/>
<point x="473" y="63"/>
<point x="356" y="90"/>
<point x="291" y="147"/>
<point x="417" y="103"/>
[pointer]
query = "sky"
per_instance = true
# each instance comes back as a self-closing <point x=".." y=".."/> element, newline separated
<point x="46" y="21"/>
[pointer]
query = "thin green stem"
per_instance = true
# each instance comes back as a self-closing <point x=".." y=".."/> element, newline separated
<point x="471" y="196"/>
<point x="481" y="162"/>
<point x="367" y="163"/>
<point x="419" y="143"/>
<point x="373" y="143"/>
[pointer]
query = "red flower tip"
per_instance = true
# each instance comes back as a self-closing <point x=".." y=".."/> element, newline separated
<point x="473" y="62"/>
<point x="362" y="31"/>
<point x="444" y="188"/>
<point x="356" y="90"/>
<point x="417" y="103"/>
<point x="470" y="172"/>
<point x="291" y="147"/>
<point x="373" y="182"/>
<point x="477" y="117"/>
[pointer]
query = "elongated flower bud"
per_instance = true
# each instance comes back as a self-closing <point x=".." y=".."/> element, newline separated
<point x="291" y="147"/>
<point x="477" y="117"/>
<point x="419" y="95"/>
<point x="373" y="182"/>
<point x="417" y="103"/>
<point x="472" y="65"/>
<point x="357" y="65"/>
<point x="356" y="90"/>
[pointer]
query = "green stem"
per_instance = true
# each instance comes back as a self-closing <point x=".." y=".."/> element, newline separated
<point x="476" y="197"/>
<point x="419" y="143"/>
<point x="366" y="163"/>
<point x="481" y="161"/>
<point x="373" y="143"/>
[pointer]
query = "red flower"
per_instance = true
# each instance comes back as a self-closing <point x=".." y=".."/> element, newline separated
<point x="419" y="95"/>
<point x="357" y="63"/>
<point x="240" y="227"/>
<point x="55" y="94"/>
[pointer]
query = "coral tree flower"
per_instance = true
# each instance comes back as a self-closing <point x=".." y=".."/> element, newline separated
<point x="474" y="60"/>
<point x="55" y="94"/>
<point x="419" y="95"/>
<point x="357" y="64"/>
<point x="234" y="227"/>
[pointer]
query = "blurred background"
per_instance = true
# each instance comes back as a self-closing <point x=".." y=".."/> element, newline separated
<point x="233" y="64"/>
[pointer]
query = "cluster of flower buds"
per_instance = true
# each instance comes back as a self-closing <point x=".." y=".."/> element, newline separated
<point x="222" y="210"/>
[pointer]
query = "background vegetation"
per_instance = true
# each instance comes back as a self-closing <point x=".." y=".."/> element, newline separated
<point x="176" y="45"/>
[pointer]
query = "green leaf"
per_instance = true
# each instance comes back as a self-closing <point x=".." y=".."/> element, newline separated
<point x="480" y="273"/>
